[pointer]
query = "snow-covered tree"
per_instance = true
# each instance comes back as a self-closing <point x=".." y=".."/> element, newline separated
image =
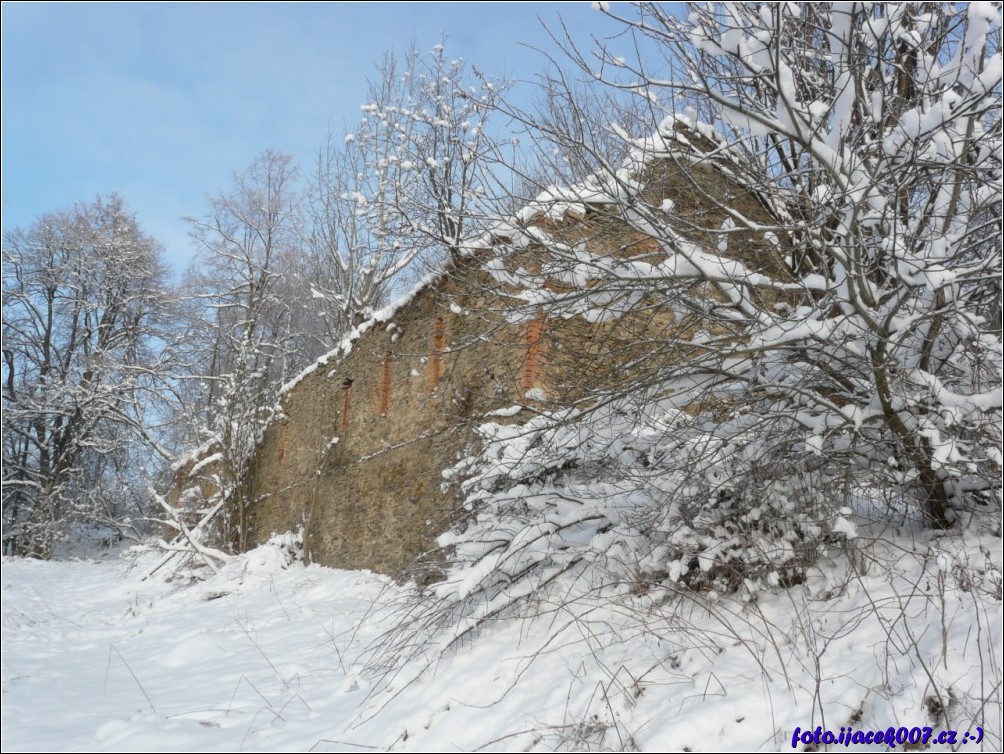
<point x="84" y="313"/>
<point x="245" y="338"/>
<point x="823" y="222"/>
<point x="873" y="133"/>
<point x="406" y="185"/>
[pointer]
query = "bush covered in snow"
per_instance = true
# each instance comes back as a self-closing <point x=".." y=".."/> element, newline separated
<point x="622" y="487"/>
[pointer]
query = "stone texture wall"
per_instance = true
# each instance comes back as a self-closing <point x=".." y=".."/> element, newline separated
<point x="358" y="455"/>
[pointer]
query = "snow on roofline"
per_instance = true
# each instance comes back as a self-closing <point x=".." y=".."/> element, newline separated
<point x="344" y="347"/>
<point x="672" y="137"/>
<point x="553" y="203"/>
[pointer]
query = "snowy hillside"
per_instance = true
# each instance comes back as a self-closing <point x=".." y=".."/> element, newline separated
<point x="272" y="655"/>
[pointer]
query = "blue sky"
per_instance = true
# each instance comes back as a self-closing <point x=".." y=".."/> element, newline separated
<point x="162" y="102"/>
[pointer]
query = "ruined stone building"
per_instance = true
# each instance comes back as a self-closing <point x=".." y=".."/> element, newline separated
<point x="356" y="456"/>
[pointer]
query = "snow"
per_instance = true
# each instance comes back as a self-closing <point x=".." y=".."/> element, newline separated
<point x="273" y="655"/>
<point x="505" y="412"/>
<point x="126" y="665"/>
<point x="344" y="348"/>
<point x="192" y="455"/>
<point x="203" y="463"/>
<point x="845" y="526"/>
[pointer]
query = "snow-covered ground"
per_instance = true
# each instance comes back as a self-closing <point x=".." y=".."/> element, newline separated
<point x="269" y="655"/>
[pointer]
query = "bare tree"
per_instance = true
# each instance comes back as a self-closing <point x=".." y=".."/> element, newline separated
<point x="407" y="185"/>
<point x="246" y="306"/>
<point x="84" y="311"/>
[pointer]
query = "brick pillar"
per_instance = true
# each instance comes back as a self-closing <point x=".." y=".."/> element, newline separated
<point x="346" y="400"/>
<point x="533" y="361"/>
<point x="437" y="346"/>
<point x="383" y="406"/>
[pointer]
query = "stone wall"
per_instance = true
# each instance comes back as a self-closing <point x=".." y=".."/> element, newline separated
<point x="358" y="453"/>
<point x="357" y="458"/>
